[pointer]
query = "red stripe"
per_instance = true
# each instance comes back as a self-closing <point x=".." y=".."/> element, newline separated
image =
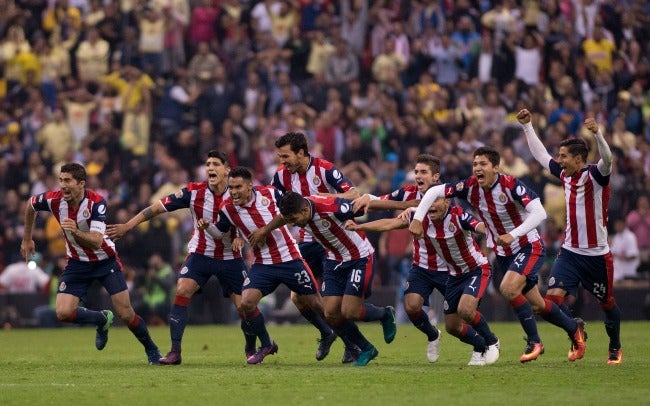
<point x="444" y="247"/>
<point x="534" y="257"/>
<point x="494" y="218"/>
<point x="368" y="274"/>
<point x="572" y="214"/>
<point x="485" y="280"/>
<point x="197" y="199"/>
<point x="590" y="212"/>
<point x="609" y="263"/>
<point x="311" y="274"/>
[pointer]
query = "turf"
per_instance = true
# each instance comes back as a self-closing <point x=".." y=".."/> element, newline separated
<point x="62" y="366"/>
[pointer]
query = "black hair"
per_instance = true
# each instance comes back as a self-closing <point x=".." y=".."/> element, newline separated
<point x="295" y="140"/>
<point x="291" y="203"/>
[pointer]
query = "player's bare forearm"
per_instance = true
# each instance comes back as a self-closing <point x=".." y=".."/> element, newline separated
<point x="30" y="217"/>
<point x="383" y="225"/>
<point x="88" y="239"/>
<point x="392" y="204"/>
<point x="350" y="194"/>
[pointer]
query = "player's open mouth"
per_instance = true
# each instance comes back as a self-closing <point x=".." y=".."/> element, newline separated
<point x="480" y="176"/>
<point x="212" y="176"/>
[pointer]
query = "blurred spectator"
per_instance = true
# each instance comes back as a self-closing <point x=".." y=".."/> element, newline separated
<point x="24" y="277"/>
<point x="157" y="291"/>
<point x="638" y="221"/>
<point x="625" y="251"/>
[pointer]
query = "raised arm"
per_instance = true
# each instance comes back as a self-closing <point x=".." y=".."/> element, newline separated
<point x="605" y="162"/>
<point x="534" y="143"/>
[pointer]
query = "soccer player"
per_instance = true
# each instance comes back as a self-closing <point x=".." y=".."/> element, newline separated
<point x="277" y="259"/>
<point x="449" y="231"/>
<point x="348" y="269"/>
<point x="585" y="257"/>
<point x="510" y="211"/>
<point x="91" y="256"/>
<point x="206" y="256"/>
<point x="302" y="173"/>
<point x="428" y="271"/>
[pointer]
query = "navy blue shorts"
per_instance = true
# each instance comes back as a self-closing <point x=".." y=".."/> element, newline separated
<point x="596" y="274"/>
<point x="352" y="278"/>
<point x="78" y="275"/>
<point x="528" y="261"/>
<point x="472" y="283"/>
<point x="423" y="281"/>
<point x="315" y="256"/>
<point x="231" y="272"/>
<point x="295" y="274"/>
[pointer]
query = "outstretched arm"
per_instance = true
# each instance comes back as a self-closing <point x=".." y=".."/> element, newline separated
<point x="536" y="214"/>
<point x="423" y="208"/>
<point x="605" y="162"/>
<point x="258" y="236"/>
<point x="534" y="143"/>
<point x="116" y="231"/>
<point x="377" y="225"/>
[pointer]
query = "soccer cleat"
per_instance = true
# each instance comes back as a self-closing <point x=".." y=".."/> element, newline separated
<point x="101" y="338"/>
<point x="324" y="345"/>
<point x="249" y="351"/>
<point x="172" y="358"/>
<point x="478" y="359"/>
<point x="389" y="325"/>
<point x="433" y="349"/>
<point x="492" y="353"/>
<point x="350" y="354"/>
<point x="615" y="357"/>
<point x="366" y="356"/>
<point x="153" y="355"/>
<point x="262" y="352"/>
<point x="532" y="351"/>
<point x="578" y="341"/>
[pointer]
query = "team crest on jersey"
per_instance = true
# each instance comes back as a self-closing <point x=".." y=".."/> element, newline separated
<point x="62" y="286"/>
<point x="325" y="223"/>
<point x="184" y="270"/>
<point x="336" y="174"/>
<point x="179" y="193"/>
<point x="265" y="201"/>
<point x="316" y="181"/>
<point x="460" y="186"/>
<point x="86" y="213"/>
<point x="503" y="198"/>
<point x="247" y="282"/>
<point x="452" y="228"/>
<point x="551" y="281"/>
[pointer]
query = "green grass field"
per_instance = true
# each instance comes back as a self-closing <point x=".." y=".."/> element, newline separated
<point x="62" y="366"/>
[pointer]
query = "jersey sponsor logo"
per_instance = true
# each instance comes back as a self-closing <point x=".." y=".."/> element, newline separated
<point x="406" y="285"/>
<point x="345" y="207"/>
<point x="322" y="287"/>
<point x="86" y="213"/>
<point x="101" y="209"/>
<point x="520" y="190"/>
<point x="325" y="223"/>
<point x="551" y="281"/>
<point x="247" y="281"/>
<point x="464" y="216"/>
<point x="265" y="201"/>
<point x="316" y="181"/>
<point x="452" y="228"/>
<point x="184" y="270"/>
<point x="179" y="193"/>
<point x="62" y="286"/>
<point x="336" y="174"/>
<point x="502" y="198"/>
<point x="394" y="194"/>
<point x="445" y="305"/>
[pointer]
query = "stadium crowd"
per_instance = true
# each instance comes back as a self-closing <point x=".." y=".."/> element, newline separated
<point x="139" y="91"/>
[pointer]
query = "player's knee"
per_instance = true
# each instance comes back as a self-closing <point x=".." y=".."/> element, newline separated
<point x="466" y="313"/>
<point x="557" y="299"/>
<point x="453" y="329"/>
<point x="608" y="304"/>
<point x="247" y="306"/>
<point x="412" y="309"/>
<point x="63" y="314"/>
<point x="351" y="312"/>
<point x="126" y="314"/>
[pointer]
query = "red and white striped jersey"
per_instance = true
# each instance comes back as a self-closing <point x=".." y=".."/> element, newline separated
<point x="321" y="177"/>
<point x="501" y="208"/>
<point x="203" y="203"/>
<point x="327" y="226"/>
<point x="279" y="246"/>
<point x="587" y="196"/>
<point x="452" y="240"/>
<point x="90" y="216"/>
<point x="424" y="254"/>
